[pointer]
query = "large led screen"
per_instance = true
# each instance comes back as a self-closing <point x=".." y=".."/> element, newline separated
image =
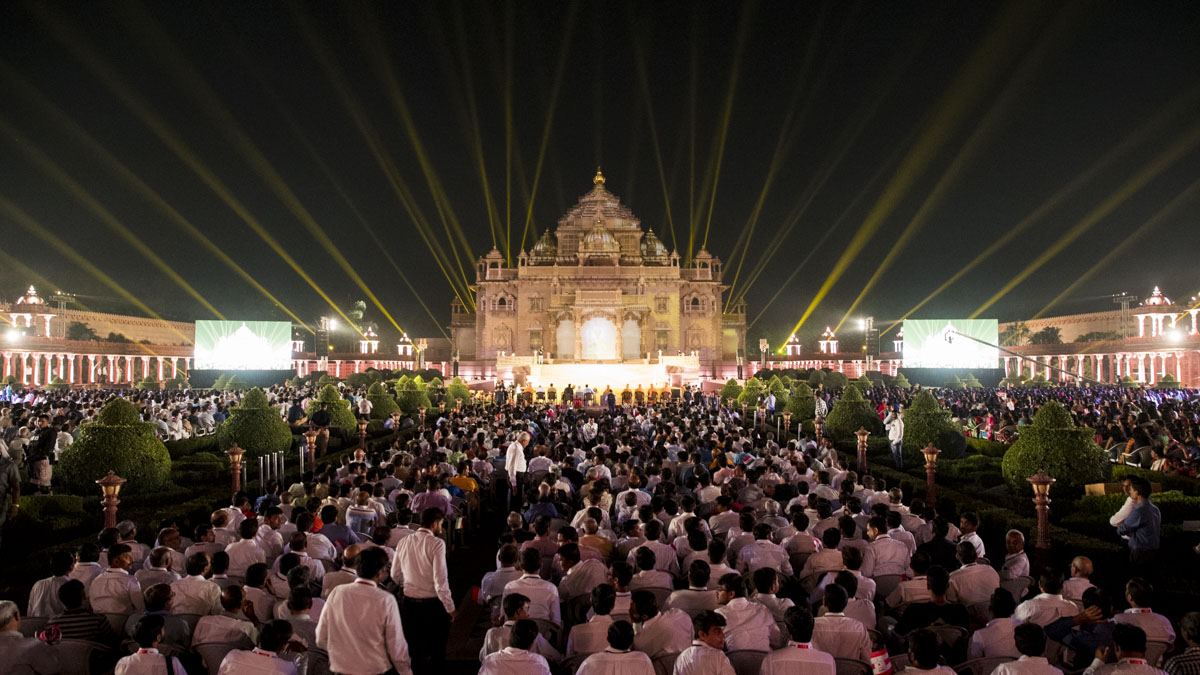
<point x="940" y="343"/>
<point x="243" y="345"/>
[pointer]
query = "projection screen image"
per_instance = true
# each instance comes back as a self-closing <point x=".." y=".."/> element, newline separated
<point x="243" y="345"/>
<point x="935" y="343"/>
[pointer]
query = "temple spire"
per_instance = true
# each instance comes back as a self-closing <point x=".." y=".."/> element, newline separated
<point x="599" y="179"/>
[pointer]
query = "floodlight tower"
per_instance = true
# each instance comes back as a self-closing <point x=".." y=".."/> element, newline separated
<point x="1124" y="300"/>
<point x="870" y="339"/>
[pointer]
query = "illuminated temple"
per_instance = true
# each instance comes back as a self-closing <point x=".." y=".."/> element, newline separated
<point x="600" y="299"/>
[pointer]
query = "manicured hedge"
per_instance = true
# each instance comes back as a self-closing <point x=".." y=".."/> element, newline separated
<point x="1065" y="451"/>
<point x="196" y="470"/>
<point x="1184" y="484"/>
<point x="116" y="441"/>
<point x="411" y="395"/>
<point x="849" y="414"/>
<point x="338" y="406"/>
<point x="803" y="404"/>
<point x="382" y="403"/>
<point x="985" y="447"/>
<point x="925" y="422"/>
<point x="255" y="426"/>
<point x="456" y="391"/>
<point x="190" y="446"/>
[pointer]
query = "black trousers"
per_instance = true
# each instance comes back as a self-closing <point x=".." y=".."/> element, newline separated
<point x="426" y="629"/>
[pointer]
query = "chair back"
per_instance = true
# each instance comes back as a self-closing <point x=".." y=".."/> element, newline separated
<point x="981" y="612"/>
<point x="549" y="630"/>
<point x="117" y="623"/>
<point x="885" y="584"/>
<point x="76" y="657"/>
<point x="1154" y="652"/>
<point x="746" y="661"/>
<point x="664" y="664"/>
<point x="982" y="666"/>
<point x="212" y="653"/>
<point x="318" y="662"/>
<point x="191" y="620"/>
<point x="797" y="561"/>
<point x="1017" y="587"/>
<point x="852" y="667"/>
<point x="30" y="625"/>
<point x="572" y="663"/>
<point x="660" y="595"/>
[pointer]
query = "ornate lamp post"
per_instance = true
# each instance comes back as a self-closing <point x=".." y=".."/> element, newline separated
<point x="762" y="416"/>
<point x="235" y="466"/>
<point x="862" y="435"/>
<point x="110" y="487"/>
<point x="362" y="434"/>
<point x="421" y="414"/>
<point x="931" y="454"/>
<point x="310" y="444"/>
<point x="1041" y="499"/>
<point x="787" y="424"/>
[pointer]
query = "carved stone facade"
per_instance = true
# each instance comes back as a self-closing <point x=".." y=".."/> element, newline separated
<point x="599" y="288"/>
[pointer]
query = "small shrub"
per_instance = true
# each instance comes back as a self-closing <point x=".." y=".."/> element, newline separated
<point x="1167" y="381"/>
<point x="925" y="422"/>
<point x="836" y="380"/>
<point x="116" y="441"/>
<point x="730" y="392"/>
<point x="58" y="384"/>
<point x="410" y="396"/>
<point x="849" y="414"/>
<point x="901" y="382"/>
<point x="751" y="392"/>
<point x="1127" y="381"/>
<point x="358" y="380"/>
<point x="255" y="426"/>
<point x="457" y="390"/>
<point x="338" y="407"/>
<point x="816" y="378"/>
<point x="382" y="403"/>
<point x="1053" y="443"/>
<point x="803" y="403"/>
<point x="148" y="384"/>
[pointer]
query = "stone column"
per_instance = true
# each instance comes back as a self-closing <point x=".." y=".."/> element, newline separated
<point x="1179" y="368"/>
<point x="160" y="368"/>
<point x="620" y="339"/>
<point x="1141" y="376"/>
<point x="578" y="338"/>
<point x="146" y="367"/>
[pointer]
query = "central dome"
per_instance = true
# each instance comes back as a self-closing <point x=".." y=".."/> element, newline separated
<point x="599" y="245"/>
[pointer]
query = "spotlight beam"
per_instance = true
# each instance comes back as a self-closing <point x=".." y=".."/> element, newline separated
<point x="980" y="136"/>
<point x="140" y="186"/>
<point x="644" y="85"/>
<point x="1154" y="221"/>
<point x="1107" y="160"/>
<point x="1147" y="173"/>
<point x="76" y="190"/>
<point x="75" y="42"/>
<point x="948" y="113"/>
<point x="560" y="70"/>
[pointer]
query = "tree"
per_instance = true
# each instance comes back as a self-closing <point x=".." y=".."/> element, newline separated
<point x="925" y="422"/>
<point x="803" y="403"/>
<point x="971" y="382"/>
<point x="849" y="414"/>
<point x="1053" y="443"/>
<point x="1016" y="334"/>
<point x="255" y="426"/>
<point x="119" y="338"/>
<point x="730" y="392"/>
<point x="751" y="391"/>
<point x="1099" y="336"/>
<point x="78" y="330"/>
<point x="119" y="441"/>
<point x="457" y="390"/>
<point x="338" y="407"/>
<point x="410" y="396"/>
<point x="901" y="382"/>
<point x="816" y="378"/>
<point x="1050" y="335"/>
<point x="835" y="380"/>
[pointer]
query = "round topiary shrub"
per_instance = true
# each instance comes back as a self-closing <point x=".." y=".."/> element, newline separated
<point x="803" y="403"/>
<point x="338" y="407"/>
<point x="730" y="392"/>
<point x="1168" y="381"/>
<point x="1066" y="452"/>
<point x="382" y="404"/>
<point x="456" y="391"/>
<point x="255" y="426"/>
<point x="751" y="391"/>
<point x="410" y="396"/>
<point x="901" y="382"/>
<point x="58" y="384"/>
<point x="925" y="422"/>
<point x="358" y="380"/>
<point x="835" y="380"/>
<point x="118" y="441"/>
<point x="816" y="378"/>
<point x="849" y="414"/>
<point x="148" y="384"/>
<point x="1127" y="381"/>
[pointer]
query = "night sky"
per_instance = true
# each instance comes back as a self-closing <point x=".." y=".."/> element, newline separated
<point x="863" y="109"/>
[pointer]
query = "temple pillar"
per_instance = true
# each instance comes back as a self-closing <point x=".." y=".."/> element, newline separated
<point x="1179" y="368"/>
<point x="160" y="368"/>
<point x="620" y="341"/>
<point x="1141" y="370"/>
<point x="146" y="367"/>
<point x="1141" y="325"/>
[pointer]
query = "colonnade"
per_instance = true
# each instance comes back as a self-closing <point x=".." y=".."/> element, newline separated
<point x="1144" y="367"/>
<point x="39" y="368"/>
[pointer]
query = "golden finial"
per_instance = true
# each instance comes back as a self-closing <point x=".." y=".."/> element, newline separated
<point x="599" y="179"/>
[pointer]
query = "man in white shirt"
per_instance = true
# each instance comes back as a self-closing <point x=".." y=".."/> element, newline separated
<point x="591" y="637"/>
<point x="269" y="539"/>
<point x="516" y="608"/>
<point x="581" y="576"/>
<point x="235" y="624"/>
<point x="360" y="627"/>
<point x="764" y="553"/>
<point x="799" y="655"/>
<point x="968" y="523"/>
<point x="543" y="595"/>
<point x="516" y="658"/>
<point x="116" y="591"/>
<point x="493" y="583"/>
<point x="838" y="634"/>
<point x="1016" y="563"/>
<point x="974" y="582"/>
<point x="428" y="609"/>
<point x="996" y="638"/>
<point x="514" y="463"/>
<point x="668" y="632"/>
<point x="87" y="565"/>
<point x="155" y="570"/>
<point x="346" y="575"/>
<point x="748" y="625"/>
<point x="895" y="524"/>
<point x="1048" y="606"/>
<point x="244" y="552"/>
<point x="706" y="656"/>
<point x="664" y="556"/>
<point x="697" y="597"/>
<point x="1081" y="570"/>
<point x="194" y="594"/>
<point x="618" y="658"/>
<point x="1140" y="595"/>
<point x="915" y="589"/>
<point x="43" y="597"/>
<point x="884" y="555"/>
<point x="263" y="659"/>
<point x="147" y="660"/>
<point x="1130" y="654"/>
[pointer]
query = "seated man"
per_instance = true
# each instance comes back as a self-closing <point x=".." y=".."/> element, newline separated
<point x="837" y="634"/>
<point x="915" y="589"/>
<point x="234" y="625"/>
<point x="764" y="553"/>
<point x="924" y="654"/>
<point x="974" y="582"/>
<point x="706" y="656"/>
<point x="696" y="598"/>
<point x="1140" y="595"/>
<point x="1129" y="657"/>
<point x="766" y="585"/>
<point x="799" y="656"/>
<point x="1088" y="631"/>
<point x="619" y="658"/>
<point x="517" y="657"/>
<point x="156" y="570"/>
<point x="194" y="594"/>
<point x="748" y="625"/>
<point x="177" y="634"/>
<point x="22" y="654"/>
<point x="43" y="598"/>
<point x="264" y="658"/>
<point x="856" y="607"/>
<point x="580" y="576"/>
<point x="1016" y="563"/>
<point x="648" y="576"/>
<point x="939" y="609"/>
<point x="1048" y="606"/>
<point x="507" y="569"/>
<point x="590" y="637"/>
<point x="669" y="632"/>
<point x="543" y="595"/>
<point x="1186" y="661"/>
<point x="1081" y="570"/>
<point x="996" y="638"/>
<point x="116" y="591"/>
<point x="79" y="623"/>
<point x="516" y="608"/>
<point x="1030" y="641"/>
<point x="147" y="632"/>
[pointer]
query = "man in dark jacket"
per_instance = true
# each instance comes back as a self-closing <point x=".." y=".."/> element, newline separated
<point x="39" y="452"/>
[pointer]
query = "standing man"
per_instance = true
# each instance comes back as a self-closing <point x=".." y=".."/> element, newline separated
<point x="360" y="624"/>
<point x="10" y="486"/>
<point x="895" y="429"/>
<point x="428" y="608"/>
<point x="1142" y="526"/>
<point x="514" y="464"/>
<point x="39" y="452"/>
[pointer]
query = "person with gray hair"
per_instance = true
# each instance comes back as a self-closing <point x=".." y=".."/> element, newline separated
<point x="128" y="531"/>
<point x="22" y="654"/>
<point x="1016" y="563"/>
<point x="1188" y="661"/>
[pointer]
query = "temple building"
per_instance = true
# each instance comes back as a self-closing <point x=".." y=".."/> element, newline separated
<point x="599" y="290"/>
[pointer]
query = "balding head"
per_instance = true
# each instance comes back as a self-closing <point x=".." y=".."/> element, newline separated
<point x="350" y="554"/>
<point x="1081" y="566"/>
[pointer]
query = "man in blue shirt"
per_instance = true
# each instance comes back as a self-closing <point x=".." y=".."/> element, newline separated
<point x="1142" y="526"/>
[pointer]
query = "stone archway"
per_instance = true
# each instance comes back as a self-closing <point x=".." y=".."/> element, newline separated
<point x="598" y="339"/>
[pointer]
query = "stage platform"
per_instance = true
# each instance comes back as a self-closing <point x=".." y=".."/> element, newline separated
<point x="664" y="371"/>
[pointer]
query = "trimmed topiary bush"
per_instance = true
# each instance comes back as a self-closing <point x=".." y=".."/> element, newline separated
<point x="730" y="392"/>
<point x="901" y="382"/>
<point x="457" y="390"/>
<point x="1127" y="381"/>
<point x="338" y="407"/>
<point x="255" y="426"/>
<point x="410" y="396"/>
<point x="148" y="384"/>
<point x="850" y="413"/>
<point x="925" y="422"/>
<point x="863" y="382"/>
<point x="971" y="382"/>
<point x="120" y="441"/>
<point x="1066" y="452"/>
<point x="803" y="403"/>
<point x="58" y="384"/>
<point x="816" y="378"/>
<point x="382" y="403"/>
<point x="358" y="380"/>
<point x="1168" y="381"/>
<point x="751" y="391"/>
<point x="835" y="380"/>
